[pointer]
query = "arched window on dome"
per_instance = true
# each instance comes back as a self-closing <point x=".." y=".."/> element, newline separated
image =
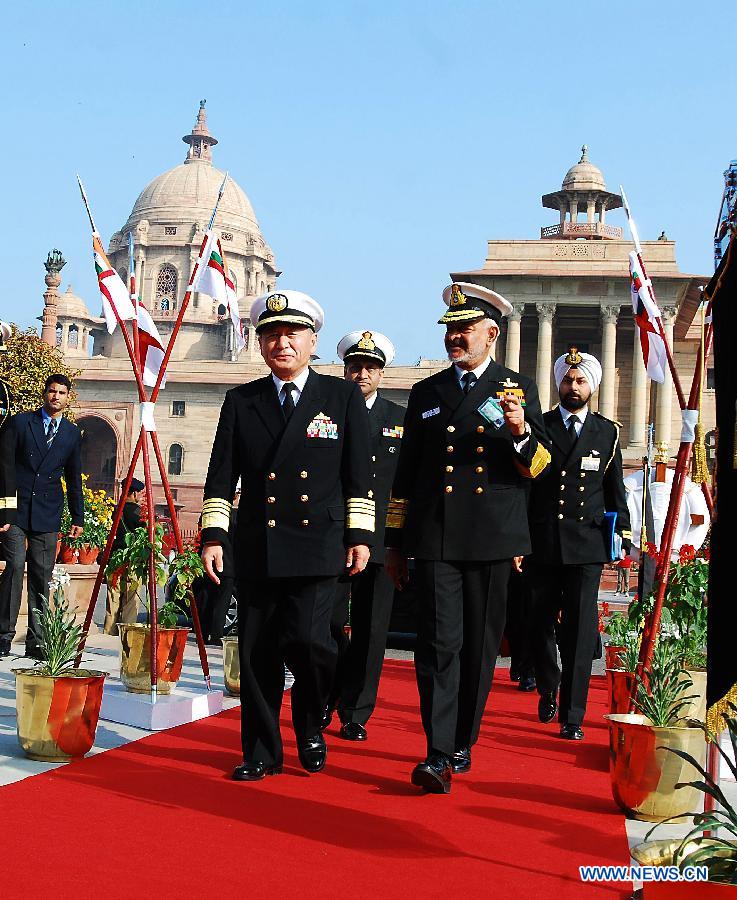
<point x="176" y="455"/>
<point x="58" y="335"/>
<point x="73" y="338"/>
<point x="166" y="288"/>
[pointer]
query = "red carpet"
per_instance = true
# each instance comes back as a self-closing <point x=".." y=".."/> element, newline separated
<point x="159" y="818"/>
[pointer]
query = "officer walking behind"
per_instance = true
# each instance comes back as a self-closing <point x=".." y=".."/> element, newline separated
<point x="121" y="601"/>
<point x="473" y="436"/>
<point x="370" y="593"/>
<point x="570" y="540"/>
<point x="45" y="446"/>
<point x="299" y="443"/>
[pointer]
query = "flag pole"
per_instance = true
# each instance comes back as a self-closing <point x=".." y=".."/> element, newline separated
<point x="187" y="296"/>
<point x="648" y="282"/>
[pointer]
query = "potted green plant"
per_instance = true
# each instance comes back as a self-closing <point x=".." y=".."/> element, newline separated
<point x="621" y="679"/>
<point x="135" y="668"/>
<point x="644" y="775"/>
<point x="712" y="839"/>
<point x="615" y="628"/>
<point x="57" y="705"/>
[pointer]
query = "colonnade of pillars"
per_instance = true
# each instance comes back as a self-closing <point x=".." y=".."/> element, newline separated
<point x="638" y="399"/>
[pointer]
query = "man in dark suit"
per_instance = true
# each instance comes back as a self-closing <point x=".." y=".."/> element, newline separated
<point x="571" y="541"/>
<point x="46" y="446"/>
<point x="370" y="593"/>
<point x="8" y="498"/>
<point x="473" y="436"/>
<point x="299" y="442"/>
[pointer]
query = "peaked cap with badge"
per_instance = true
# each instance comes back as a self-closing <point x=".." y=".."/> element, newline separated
<point x="286" y="308"/>
<point x="467" y="302"/>
<point x="369" y="344"/>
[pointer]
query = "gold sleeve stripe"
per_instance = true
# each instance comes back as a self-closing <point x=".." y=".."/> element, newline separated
<point x="396" y="513"/>
<point x="216" y="514"/>
<point x="8" y="503"/>
<point x="360" y="513"/>
<point x="539" y="462"/>
<point x="627" y="534"/>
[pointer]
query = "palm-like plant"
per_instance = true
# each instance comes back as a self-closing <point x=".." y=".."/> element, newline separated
<point x="661" y="695"/>
<point x="60" y="633"/>
<point x="718" y="854"/>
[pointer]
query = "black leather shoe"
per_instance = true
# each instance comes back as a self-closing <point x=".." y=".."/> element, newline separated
<point x="547" y="706"/>
<point x="4" y="647"/>
<point x="527" y="684"/>
<point x="513" y="675"/>
<point x="352" y="731"/>
<point x="254" y="771"/>
<point x="313" y="753"/>
<point x="34" y="653"/>
<point x="326" y="719"/>
<point x="571" y="732"/>
<point x="434" y="774"/>
<point x="460" y="762"/>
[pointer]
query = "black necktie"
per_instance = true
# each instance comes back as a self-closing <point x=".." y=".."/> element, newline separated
<point x="287" y="406"/>
<point x="571" y="427"/>
<point x="51" y="432"/>
<point x="469" y="380"/>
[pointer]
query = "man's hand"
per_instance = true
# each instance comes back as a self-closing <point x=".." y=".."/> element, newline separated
<point x="514" y="414"/>
<point x="517" y="563"/>
<point x="212" y="559"/>
<point x="75" y="531"/>
<point x="396" y="568"/>
<point x="356" y="558"/>
<point x="5" y="527"/>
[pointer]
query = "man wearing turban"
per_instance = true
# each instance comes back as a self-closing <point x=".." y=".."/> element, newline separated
<point x="578" y="521"/>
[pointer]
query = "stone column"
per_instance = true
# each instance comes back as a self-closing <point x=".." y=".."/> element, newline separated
<point x="638" y="396"/>
<point x="608" y="360"/>
<point x="545" y="313"/>
<point x="55" y="262"/>
<point x="514" y="328"/>
<point x="664" y="411"/>
<point x="574" y="210"/>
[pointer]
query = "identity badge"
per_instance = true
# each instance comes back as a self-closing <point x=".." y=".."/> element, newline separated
<point x="491" y="410"/>
<point x="590" y="463"/>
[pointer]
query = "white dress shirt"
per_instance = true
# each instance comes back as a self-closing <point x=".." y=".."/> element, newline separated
<point x="299" y="383"/>
<point x="579" y="413"/>
<point x="478" y="371"/>
<point x="371" y="400"/>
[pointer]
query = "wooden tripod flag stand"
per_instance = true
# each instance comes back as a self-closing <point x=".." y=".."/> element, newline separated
<point x="147" y="433"/>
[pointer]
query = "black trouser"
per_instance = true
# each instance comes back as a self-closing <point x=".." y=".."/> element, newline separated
<point x="359" y="664"/>
<point x="462" y="608"/>
<point x="283" y="620"/>
<point x="572" y="592"/>
<point x="519" y="623"/>
<point x="338" y="621"/>
<point x="40" y="556"/>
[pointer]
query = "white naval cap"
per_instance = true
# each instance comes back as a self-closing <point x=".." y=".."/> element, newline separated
<point x="6" y="332"/>
<point x="468" y="301"/>
<point x="588" y="365"/>
<point x="371" y="344"/>
<point x="286" y="308"/>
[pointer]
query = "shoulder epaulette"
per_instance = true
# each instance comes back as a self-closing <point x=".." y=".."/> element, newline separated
<point x="613" y="421"/>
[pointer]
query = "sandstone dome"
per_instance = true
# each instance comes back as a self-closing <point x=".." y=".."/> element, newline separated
<point x="584" y="176"/>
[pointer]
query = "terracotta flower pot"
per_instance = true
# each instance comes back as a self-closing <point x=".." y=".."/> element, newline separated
<point x="57" y="714"/>
<point x="67" y="554"/>
<point x="58" y="548"/>
<point x="619" y="689"/>
<point x="88" y="555"/>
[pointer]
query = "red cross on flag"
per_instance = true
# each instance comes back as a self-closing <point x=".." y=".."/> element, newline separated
<point x="646" y="318"/>
<point x="150" y="349"/>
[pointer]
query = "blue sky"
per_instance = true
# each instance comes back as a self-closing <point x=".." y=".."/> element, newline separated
<point x="381" y="144"/>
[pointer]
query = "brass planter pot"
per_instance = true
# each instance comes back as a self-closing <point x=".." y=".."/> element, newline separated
<point x="644" y="774"/>
<point x="660" y="853"/>
<point x="135" y="661"/>
<point x="231" y="666"/>
<point x="57" y="714"/>
<point x="696" y="708"/>
<point x="619" y="689"/>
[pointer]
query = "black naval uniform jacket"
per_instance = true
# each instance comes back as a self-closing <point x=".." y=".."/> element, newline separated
<point x="460" y="489"/>
<point x="304" y="485"/>
<point x="386" y="421"/>
<point x="567" y="505"/>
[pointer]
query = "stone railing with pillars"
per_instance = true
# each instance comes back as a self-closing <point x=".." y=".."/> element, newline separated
<point x="581" y="229"/>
